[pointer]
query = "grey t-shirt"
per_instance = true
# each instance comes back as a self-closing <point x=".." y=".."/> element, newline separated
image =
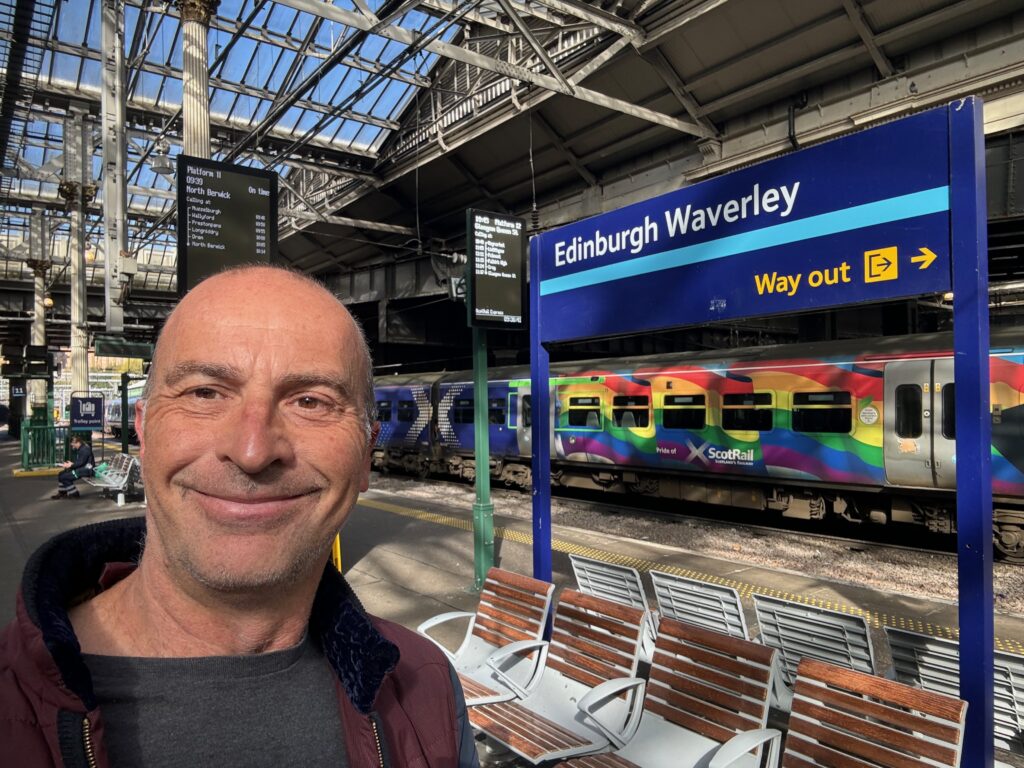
<point x="273" y="709"/>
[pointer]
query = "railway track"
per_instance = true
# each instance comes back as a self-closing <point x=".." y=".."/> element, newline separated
<point x="567" y="504"/>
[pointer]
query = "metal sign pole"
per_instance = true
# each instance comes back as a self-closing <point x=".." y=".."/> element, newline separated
<point x="483" y="509"/>
<point x="973" y="427"/>
<point x="540" y="410"/>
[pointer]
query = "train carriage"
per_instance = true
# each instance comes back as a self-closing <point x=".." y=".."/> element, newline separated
<point x="863" y="430"/>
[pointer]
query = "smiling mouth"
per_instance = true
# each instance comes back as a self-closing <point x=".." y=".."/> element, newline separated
<point x="245" y="509"/>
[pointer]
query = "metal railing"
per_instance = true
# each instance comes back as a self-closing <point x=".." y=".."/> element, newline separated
<point x="45" y="446"/>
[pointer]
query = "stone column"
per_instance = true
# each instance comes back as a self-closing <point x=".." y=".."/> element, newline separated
<point x="39" y="263"/>
<point x="195" y="26"/>
<point x="78" y="192"/>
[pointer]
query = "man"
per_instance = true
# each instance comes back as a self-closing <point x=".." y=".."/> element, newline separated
<point x="83" y="465"/>
<point x="231" y="643"/>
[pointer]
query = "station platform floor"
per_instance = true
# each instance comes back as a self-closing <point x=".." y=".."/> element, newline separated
<point x="409" y="561"/>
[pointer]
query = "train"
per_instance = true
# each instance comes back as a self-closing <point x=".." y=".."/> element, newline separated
<point x="112" y="418"/>
<point x="860" y="430"/>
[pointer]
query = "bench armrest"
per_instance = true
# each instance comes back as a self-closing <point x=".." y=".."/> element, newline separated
<point x="740" y="744"/>
<point x="441" y="618"/>
<point x="521" y="649"/>
<point x="597" y="697"/>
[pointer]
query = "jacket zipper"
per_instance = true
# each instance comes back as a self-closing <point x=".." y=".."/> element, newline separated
<point x="90" y="757"/>
<point x="376" y="737"/>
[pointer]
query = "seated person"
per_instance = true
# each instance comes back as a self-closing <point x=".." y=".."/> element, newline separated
<point x="83" y="465"/>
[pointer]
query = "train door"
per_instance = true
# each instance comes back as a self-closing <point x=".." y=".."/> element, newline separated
<point x="944" y="424"/>
<point x="521" y="419"/>
<point x="919" y="423"/>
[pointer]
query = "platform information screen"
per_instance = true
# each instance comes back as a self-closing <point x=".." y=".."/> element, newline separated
<point x="227" y="215"/>
<point x="496" y="252"/>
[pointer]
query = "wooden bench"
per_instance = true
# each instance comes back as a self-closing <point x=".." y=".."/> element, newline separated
<point x="120" y="478"/>
<point x="706" y="689"/>
<point x="845" y="718"/>
<point x="593" y="654"/>
<point x="798" y="630"/>
<point x="621" y="584"/>
<point x="500" y="656"/>
<point x="933" y="663"/>
<point x="711" y="606"/>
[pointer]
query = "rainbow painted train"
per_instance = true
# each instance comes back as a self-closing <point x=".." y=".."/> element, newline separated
<point x="862" y="430"/>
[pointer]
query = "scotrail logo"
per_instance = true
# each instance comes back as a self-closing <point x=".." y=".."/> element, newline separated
<point x="708" y="454"/>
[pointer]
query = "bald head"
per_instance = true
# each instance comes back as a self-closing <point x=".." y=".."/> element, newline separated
<point x="262" y="298"/>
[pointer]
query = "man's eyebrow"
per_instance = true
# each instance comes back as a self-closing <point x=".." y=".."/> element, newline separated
<point x="181" y="371"/>
<point x="302" y="380"/>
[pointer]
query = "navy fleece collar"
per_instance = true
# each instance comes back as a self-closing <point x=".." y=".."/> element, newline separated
<point x="69" y="566"/>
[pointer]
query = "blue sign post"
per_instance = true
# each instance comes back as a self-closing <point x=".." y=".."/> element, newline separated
<point x="891" y="212"/>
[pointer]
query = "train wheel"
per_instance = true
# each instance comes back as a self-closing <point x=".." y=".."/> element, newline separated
<point x="1009" y="541"/>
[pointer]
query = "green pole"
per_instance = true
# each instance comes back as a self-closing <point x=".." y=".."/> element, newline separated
<point x="483" y="510"/>
<point x="125" y="378"/>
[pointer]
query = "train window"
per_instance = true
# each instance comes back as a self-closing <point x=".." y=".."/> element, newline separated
<point x="750" y="411"/>
<point x="949" y="411"/>
<point x="684" y="412"/>
<point x="527" y="413"/>
<point x="496" y="410"/>
<point x="383" y="410"/>
<point x="406" y="410"/>
<point x="822" y="412"/>
<point x="584" y="413"/>
<point x="462" y="411"/>
<point x="631" y="411"/>
<point x="513" y="410"/>
<point x="821" y="398"/>
<point x="909" y="421"/>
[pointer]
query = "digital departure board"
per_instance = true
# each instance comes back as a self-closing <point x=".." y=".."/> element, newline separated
<point x="496" y="255"/>
<point x="227" y="215"/>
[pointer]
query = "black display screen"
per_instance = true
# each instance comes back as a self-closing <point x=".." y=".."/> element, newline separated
<point x="496" y="254"/>
<point x="227" y="215"/>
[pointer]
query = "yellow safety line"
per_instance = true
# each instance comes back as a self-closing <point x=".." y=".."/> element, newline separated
<point x="42" y="472"/>
<point x="745" y="589"/>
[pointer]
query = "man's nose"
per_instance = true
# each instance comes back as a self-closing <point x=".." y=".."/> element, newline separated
<point x="258" y="437"/>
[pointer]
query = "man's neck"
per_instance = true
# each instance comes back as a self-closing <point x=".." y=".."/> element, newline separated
<point x="147" y="614"/>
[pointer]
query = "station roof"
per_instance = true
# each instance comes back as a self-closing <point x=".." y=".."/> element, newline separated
<point x="387" y="119"/>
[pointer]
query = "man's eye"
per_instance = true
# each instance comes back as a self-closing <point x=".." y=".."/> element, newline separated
<point x="204" y="393"/>
<point x="309" y="403"/>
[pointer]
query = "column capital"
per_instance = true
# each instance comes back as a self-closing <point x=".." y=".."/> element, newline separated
<point x="197" y="10"/>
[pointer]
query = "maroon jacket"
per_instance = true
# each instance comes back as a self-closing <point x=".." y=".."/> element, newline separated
<point x="392" y="683"/>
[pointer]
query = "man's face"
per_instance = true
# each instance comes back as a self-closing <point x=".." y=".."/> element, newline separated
<point x="253" y="438"/>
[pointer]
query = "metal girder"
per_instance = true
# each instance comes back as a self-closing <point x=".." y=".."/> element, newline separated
<point x="345" y="221"/>
<point x="225" y="85"/>
<point x="289" y="43"/>
<point x="675" y="84"/>
<point x="571" y="158"/>
<point x="447" y="7"/>
<point x="534" y="44"/>
<point x="889" y="36"/>
<point x="599" y="18"/>
<point x="997" y="67"/>
<point x="686" y="13"/>
<point x="154" y="111"/>
<point x="856" y="14"/>
<point x="512" y="71"/>
<point x="119" y="267"/>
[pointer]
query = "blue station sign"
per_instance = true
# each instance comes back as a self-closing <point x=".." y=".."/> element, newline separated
<point x="861" y="218"/>
<point x="87" y="413"/>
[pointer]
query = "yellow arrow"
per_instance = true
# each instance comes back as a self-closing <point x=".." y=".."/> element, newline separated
<point x="925" y="259"/>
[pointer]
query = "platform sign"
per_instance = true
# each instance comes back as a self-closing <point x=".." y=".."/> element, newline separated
<point x="872" y="216"/>
<point x="496" y="254"/>
<point x="861" y="218"/>
<point x="227" y="215"/>
<point x="87" y="413"/>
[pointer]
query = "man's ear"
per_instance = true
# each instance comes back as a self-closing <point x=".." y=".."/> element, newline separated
<point x="140" y="424"/>
<point x="364" y="482"/>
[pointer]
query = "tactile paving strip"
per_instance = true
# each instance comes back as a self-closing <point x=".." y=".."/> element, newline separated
<point x="745" y="589"/>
